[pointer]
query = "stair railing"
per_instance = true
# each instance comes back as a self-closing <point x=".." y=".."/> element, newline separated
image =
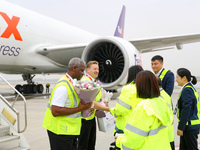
<point x="12" y="106"/>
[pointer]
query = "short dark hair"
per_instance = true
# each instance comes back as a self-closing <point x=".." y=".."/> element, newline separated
<point x="132" y="72"/>
<point x="185" y="72"/>
<point x="147" y="85"/>
<point x="157" y="57"/>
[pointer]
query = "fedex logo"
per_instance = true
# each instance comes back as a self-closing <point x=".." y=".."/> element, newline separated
<point x="120" y="30"/>
<point x="137" y="61"/>
<point x="11" y="28"/>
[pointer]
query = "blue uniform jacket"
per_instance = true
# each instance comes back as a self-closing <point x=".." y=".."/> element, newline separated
<point x="168" y="82"/>
<point x="187" y="109"/>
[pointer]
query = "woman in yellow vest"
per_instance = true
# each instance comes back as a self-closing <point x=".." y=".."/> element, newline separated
<point x="188" y="110"/>
<point x="147" y="125"/>
<point x="127" y="100"/>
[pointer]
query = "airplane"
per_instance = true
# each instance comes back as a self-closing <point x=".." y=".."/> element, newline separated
<point x="31" y="43"/>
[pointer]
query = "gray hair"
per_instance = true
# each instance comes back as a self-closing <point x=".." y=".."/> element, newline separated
<point x="75" y="62"/>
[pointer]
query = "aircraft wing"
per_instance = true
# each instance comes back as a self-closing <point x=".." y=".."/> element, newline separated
<point x="61" y="53"/>
<point x="155" y="44"/>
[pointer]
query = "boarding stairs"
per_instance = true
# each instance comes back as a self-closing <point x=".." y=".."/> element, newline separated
<point x="10" y="133"/>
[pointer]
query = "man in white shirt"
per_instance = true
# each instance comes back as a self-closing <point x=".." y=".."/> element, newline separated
<point x="63" y="115"/>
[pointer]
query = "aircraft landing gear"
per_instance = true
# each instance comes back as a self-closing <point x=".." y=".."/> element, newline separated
<point x="30" y="87"/>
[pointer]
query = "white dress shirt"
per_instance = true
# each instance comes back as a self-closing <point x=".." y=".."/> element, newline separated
<point x="60" y="97"/>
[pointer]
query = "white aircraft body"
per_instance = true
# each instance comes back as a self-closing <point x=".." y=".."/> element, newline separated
<point x="31" y="43"/>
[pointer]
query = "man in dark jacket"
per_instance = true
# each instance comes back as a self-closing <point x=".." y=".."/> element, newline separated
<point x="166" y="76"/>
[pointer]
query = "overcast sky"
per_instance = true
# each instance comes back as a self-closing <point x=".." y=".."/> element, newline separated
<point x="144" y="19"/>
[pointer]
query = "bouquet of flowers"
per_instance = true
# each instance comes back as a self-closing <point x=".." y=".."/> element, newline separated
<point x="87" y="92"/>
<point x="105" y="98"/>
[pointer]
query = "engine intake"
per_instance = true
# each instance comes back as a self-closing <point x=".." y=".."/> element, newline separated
<point x="115" y="56"/>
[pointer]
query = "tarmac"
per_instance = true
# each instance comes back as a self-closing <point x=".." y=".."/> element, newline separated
<point x="36" y="135"/>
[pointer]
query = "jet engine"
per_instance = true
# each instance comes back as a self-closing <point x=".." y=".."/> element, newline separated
<point x="115" y="56"/>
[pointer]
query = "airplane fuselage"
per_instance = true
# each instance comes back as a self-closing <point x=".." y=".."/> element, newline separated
<point x="23" y="31"/>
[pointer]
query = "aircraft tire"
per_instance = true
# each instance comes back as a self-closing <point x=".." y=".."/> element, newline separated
<point x="34" y="88"/>
<point x="40" y="88"/>
<point x="26" y="89"/>
<point x="19" y="88"/>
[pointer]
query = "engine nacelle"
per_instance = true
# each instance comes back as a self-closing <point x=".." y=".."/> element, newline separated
<point x="115" y="56"/>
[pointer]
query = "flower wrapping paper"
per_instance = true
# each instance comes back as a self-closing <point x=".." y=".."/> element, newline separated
<point x="87" y="92"/>
<point x="87" y="95"/>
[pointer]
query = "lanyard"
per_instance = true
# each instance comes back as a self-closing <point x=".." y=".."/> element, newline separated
<point x="69" y="78"/>
<point x="89" y="77"/>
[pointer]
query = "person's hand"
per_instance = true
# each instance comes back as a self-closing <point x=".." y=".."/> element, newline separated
<point x="91" y="110"/>
<point x="84" y="106"/>
<point x="179" y="132"/>
<point x="115" y="138"/>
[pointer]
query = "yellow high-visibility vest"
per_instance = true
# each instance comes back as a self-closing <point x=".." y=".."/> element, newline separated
<point x="67" y="124"/>
<point x="162" y="75"/>
<point x="126" y="103"/>
<point x="147" y="126"/>
<point x="167" y="99"/>
<point x="193" y="122"/>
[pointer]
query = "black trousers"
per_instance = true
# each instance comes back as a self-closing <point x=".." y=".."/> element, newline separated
<point x="62" y="142"/>
<point x="189" y="140"/>
<point x="172" y="145"/>
<point x="87" y="138"/>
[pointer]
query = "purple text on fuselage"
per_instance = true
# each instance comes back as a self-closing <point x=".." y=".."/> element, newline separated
<point x="137" y="61"/>
<point x="9" y="50"/>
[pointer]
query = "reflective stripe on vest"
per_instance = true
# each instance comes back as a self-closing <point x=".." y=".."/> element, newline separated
<point x="75" y="101"/>
<point x="64" y="124"/>
<point x="192" y="122"/>
<point x="144" y="133"/>
<point x="167" y="100"/>
<point x="163" y="73"/>
<point x="124" y="104"/>
<point x="115" y="115"/>
<point x="70" y="116"/>
<point x="126" y="148"/>
<point x="168" y="105"/>
<point x="141" y="132"/>
<point x="76" y="115"/>
<point x="195" y="122"/>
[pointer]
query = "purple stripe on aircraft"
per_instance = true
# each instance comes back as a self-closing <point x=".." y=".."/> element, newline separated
<point x="119" y="31"/>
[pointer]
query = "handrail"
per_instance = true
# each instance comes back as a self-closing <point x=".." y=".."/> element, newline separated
<point x="12" y="107"/>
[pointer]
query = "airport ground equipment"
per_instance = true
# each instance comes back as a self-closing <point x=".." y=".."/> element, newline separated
<point x="10" y="122"/>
